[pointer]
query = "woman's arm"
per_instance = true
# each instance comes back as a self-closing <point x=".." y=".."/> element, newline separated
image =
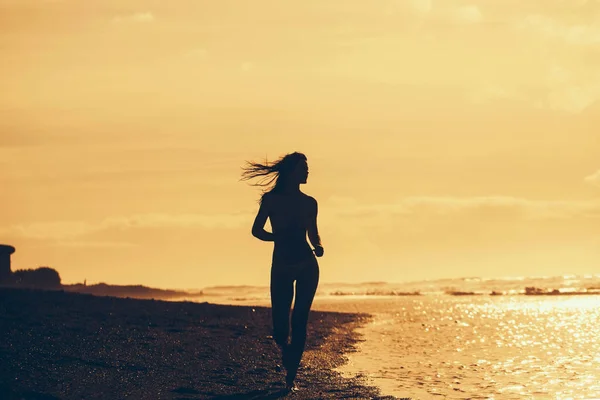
<point x="313" y="230"/>
<point x="258" y="228"/>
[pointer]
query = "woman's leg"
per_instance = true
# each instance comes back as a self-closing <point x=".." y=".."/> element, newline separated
<point x="306" y="287"/>
<point x="282" y="292"/>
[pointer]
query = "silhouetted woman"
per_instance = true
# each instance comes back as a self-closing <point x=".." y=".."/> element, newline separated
<point x="293" y="214"/>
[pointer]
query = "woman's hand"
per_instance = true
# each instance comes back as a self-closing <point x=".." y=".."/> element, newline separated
<point x="319" y="251"/>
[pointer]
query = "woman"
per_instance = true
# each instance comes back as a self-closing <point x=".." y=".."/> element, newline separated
<point x="293" y="214"/>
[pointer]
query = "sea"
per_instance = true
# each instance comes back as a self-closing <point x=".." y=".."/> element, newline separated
<point x="467" y="338"/>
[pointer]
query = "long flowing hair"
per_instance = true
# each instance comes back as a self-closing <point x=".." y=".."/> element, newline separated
<point x="273" y="176"/>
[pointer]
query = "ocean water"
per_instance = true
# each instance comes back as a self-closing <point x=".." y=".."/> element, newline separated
<point x="479" y="347"/>
<point x="456" y="341"/>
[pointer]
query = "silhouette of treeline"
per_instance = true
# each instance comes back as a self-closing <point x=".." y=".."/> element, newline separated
<point x="531" y="291"/>
<point x="49" y="279"/>
<point x="42" y="278"/>
<point x="374" y="293"/>
<point x="134" y="291"/>
<point x="534" y="291"/>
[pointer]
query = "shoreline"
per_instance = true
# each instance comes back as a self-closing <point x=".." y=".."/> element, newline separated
<point x="60" y="345"/>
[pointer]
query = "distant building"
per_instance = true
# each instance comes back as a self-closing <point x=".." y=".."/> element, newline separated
<point x="5" y="272"/>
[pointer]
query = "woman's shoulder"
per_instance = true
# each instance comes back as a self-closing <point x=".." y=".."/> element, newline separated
<point x="309" y="199"/>
<point x="270" y="197"/>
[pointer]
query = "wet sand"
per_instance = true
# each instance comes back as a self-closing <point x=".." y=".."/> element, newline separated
<point x="58" y="345"/>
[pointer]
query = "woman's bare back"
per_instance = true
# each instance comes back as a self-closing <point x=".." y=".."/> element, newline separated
<point x="290" y="211"/>
<point x="292" y="216"/>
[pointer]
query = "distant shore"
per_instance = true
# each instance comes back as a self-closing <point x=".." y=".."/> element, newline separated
<point x="133" y="291"/>
<point x="60" y="345"/>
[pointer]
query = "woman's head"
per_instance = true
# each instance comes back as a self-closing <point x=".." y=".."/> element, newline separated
<point x="294" y="169"/>
<point x="289" y="170"/>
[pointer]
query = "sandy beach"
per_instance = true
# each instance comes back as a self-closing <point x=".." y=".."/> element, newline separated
<point x="58" y="345"/>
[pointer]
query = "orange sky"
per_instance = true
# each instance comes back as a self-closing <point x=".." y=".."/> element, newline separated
<point x="445" y="138"/>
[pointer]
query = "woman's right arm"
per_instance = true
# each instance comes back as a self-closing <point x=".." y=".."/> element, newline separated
<point x="258" y="228"/>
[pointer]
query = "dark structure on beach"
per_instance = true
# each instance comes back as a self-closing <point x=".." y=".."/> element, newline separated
<point x="5" y="272"/>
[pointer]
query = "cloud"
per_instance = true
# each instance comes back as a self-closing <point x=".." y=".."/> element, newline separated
<point x="49" y="230"/>
<point x="140" y="17"/>
<point x="467" y="14"/>
<point x="209" y="221"/>
<point x="502" y="206"/>
<point x="441" y="11"/>
<point x="94" y="244"/>
<point x="338" y="209"/>
<point x="490" y="91"/>
<point x="574" y="34"/>
<point x="246" y="66"/>
<point x="573" y="99"/>
<point x="421" y="6"/>
<point x="570" y="91"/>
<point x="560" y="89"/>
<point x="63" y="230"/>
<point x="196" y="54"/>
<point x="593" y="179"/>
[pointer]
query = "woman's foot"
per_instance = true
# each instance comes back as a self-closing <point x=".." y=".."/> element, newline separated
<point x="290" y="376"/>
<point x="289" y="382"/>
<point x="293" y="388"/>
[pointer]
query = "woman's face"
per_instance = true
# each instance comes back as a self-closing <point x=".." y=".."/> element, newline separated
<point x="300" y="174"/>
